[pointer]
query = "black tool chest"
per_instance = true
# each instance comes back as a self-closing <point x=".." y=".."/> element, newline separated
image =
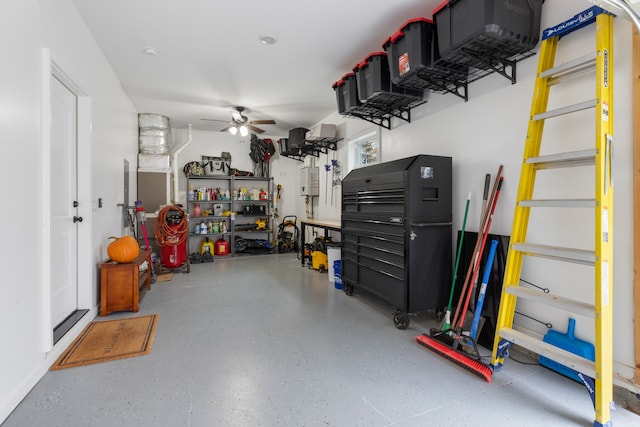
<point x="396" y="233"/>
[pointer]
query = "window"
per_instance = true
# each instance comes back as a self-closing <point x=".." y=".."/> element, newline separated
<point x="364" y="149"/>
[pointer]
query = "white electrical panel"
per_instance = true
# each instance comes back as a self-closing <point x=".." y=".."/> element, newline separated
<point x="310" y="181"/>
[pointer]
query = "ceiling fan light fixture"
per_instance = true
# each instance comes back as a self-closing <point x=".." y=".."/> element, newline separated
<point x="244" y="131"/>
<point x="233" y="130"/>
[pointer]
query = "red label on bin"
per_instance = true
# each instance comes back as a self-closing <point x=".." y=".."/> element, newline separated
<point x="403" y="63"/>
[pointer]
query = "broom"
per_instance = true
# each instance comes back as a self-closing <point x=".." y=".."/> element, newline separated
<point x="449" y="351"/>
<point x="479" y="247"/>
<point x="447" y="316"/>
<point x="462" y="314"/>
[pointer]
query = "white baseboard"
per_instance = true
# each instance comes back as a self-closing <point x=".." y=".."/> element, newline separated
<point x="13" y="400"/>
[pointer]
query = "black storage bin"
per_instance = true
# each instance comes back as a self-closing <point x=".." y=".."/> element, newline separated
<point x="284" y="146"/>
<point x="339" y="96"/>
<point x="373" y="80"/>
<point x="347" y="93"/>
<point x="296" y="139"/>
<point x="411" y="49"/>
<point x="397" y="232"/>
<point x="493" y="28"/>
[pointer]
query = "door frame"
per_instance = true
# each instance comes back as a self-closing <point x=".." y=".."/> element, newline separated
<point x="636" y="198"/>
<point x="51" y="67"/>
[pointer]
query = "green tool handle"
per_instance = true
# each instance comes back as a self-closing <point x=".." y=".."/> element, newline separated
<point x="455" y="270"/>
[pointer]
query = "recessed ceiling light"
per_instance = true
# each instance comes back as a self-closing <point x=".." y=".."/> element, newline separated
<point x="267" y="39"/>
<point x="151" y="51"/>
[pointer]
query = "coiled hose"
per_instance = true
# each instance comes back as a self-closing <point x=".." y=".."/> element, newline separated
<point x="168" y="231"/>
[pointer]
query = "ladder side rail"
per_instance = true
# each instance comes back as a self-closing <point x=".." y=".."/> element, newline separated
<point x="604" y="221"/>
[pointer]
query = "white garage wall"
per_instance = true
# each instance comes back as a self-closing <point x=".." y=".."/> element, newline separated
<point x="283" y="170"/>
<point x="490" y="130"/>
<point x="28" y="28"/>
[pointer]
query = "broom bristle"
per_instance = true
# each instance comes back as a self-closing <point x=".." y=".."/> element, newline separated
<point x="458" y="358"/>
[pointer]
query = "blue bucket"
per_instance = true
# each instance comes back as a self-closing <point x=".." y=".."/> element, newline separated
<point x="337" y="274"/>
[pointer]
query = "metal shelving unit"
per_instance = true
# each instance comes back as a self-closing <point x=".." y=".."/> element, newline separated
<point x="450" y="75"/>
<point x="313" y="147"/>
<point x="454" y="73"/>
<point x="252" y="236"/>
<point x="381" y="108"/>
<point x="235" y="219"/>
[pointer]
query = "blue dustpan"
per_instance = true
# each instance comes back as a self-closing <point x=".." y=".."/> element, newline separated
<point x="571" y="344"/>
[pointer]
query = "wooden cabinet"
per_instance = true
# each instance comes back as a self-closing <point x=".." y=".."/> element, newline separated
<point x="122" y="285"/>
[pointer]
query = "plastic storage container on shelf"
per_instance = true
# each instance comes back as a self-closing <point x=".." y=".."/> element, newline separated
<point x="490" y="28"/>
<point x="339" y="96"/>
<point x="411" y="49"/>
<point x="414" y="61"/>
<point x="284" y="146"/>
<point x="347" y="93"/>
<point x="373" y="81"/>
<point x="296" y="139"/>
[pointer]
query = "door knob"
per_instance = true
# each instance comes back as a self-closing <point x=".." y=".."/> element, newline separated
<point x="77" y="219"/>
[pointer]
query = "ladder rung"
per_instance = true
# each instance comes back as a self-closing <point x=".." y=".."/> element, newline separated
<point x="579" y="256"/>
<point x="563" y="160"/>
<point x="563" y="303"/>
<point x="559" y="203"/>
<point x="566" y="110"/>
<point x="571" y="68"/>
<point x="554" y="353"/>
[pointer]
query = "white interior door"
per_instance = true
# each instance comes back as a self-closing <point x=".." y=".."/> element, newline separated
<point x="63" y="193"/>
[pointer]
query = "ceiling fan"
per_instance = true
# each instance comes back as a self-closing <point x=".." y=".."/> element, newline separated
<point x="241" y="123"/>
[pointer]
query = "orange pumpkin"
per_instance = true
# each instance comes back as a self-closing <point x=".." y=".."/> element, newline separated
<point x="123" y="249"/>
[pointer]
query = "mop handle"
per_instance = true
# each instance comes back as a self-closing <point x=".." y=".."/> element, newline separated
<point x="483" y="288"/>
<point x="455" y="271"/>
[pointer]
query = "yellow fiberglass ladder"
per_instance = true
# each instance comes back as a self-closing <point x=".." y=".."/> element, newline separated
<point x="596" y="375"/>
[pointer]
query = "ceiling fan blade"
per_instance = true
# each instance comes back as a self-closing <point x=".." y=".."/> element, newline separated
<point x="254" y="129"/>
<point x="262" y="122"/>
<point x="215" y="120"/>
<point x="226" y="129"/>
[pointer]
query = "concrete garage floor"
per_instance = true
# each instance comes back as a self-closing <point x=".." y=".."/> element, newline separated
<point x="261" y="341"/>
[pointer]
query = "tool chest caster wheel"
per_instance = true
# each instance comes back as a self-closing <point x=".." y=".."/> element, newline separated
<point x="401" y="320"/>
<point x="347" y="288"/>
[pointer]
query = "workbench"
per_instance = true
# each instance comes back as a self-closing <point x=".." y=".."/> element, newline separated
<point x="326" y="224"/>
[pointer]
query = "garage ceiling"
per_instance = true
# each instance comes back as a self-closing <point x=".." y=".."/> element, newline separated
<point x="208" y="56"/>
